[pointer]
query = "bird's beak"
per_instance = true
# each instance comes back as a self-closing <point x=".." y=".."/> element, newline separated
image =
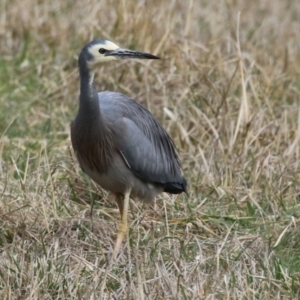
<point x="124" y="53"/>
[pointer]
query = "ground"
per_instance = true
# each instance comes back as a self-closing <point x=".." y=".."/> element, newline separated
<point x="227" y="89"/>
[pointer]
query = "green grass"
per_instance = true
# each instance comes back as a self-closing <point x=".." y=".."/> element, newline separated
<point x="232" y="107"/>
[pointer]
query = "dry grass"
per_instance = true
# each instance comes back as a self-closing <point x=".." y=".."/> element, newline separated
<point x="227" y="90"/>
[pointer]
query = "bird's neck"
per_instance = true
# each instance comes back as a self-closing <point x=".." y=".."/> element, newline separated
<point x="88" y="100"/>
<point x="91" y="137"/>
<point x="89" y="114"/>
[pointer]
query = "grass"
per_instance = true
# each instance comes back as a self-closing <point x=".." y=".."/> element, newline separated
<point x="227" y="90"/>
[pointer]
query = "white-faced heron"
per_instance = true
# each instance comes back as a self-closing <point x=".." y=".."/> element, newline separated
<point x="118" y="142"/>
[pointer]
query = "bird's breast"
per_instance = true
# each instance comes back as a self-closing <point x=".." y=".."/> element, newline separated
<point x="94" y="149"/>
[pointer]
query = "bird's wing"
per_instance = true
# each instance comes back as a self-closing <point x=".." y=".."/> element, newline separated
<point x="145" y="159"/>
<point x="140" y="154"/>
<point x="143" y="143"/>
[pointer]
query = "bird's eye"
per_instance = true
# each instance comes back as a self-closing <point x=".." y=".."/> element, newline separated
<point x="102" y="50"/>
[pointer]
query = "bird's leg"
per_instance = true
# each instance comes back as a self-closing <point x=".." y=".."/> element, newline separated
<point x="119" y="200"/>
<point x="123" y="227"/>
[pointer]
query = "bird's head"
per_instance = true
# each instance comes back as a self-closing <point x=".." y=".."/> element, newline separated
<point x="99" y="51"/>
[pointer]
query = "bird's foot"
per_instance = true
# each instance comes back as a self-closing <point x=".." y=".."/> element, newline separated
<point x="122" y="232"/>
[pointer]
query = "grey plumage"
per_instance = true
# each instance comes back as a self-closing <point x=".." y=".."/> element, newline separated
<point x="117" y="141"/>
<point x="131" y="130"/>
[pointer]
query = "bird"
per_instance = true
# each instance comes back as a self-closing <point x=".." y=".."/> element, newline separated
<point x="118" y="143"/>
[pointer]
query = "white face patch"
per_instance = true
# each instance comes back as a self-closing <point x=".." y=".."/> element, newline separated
<point x="98" y="57"/>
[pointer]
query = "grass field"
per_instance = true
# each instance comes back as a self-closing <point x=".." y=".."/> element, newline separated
<point x="227" y="90"/>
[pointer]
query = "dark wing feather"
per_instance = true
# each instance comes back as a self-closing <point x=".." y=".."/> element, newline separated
<point x="142" y="141"/>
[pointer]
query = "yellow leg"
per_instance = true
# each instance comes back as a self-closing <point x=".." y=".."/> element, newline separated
<point x="119" y="199"/>
<point x="123" y="227"/>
